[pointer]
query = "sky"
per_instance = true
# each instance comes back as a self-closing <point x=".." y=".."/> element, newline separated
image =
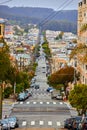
<point x="54" y="4"/>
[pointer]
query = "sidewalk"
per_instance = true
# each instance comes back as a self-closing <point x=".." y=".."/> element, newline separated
<point x="8" y="101"/>
<point x="72" y="110"/>
<point x="7" y="106"/>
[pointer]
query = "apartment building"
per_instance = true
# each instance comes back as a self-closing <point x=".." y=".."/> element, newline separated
<point x="82" y="38"/>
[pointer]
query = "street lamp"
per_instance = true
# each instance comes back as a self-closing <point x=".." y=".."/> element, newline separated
<point x="1" y="90"/>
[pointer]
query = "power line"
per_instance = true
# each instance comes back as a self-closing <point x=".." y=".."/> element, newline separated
<point x="5" y="2"/>
<point x="54" y="14"/>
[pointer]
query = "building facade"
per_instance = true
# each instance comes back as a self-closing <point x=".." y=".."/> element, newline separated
<point x="82" y="39"/>
<point x="2" y="28"/>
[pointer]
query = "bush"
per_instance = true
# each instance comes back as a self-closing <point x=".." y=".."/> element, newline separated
<point x="7" y="92"/>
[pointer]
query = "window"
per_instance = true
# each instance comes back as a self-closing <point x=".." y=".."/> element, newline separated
<point x="86" y="67"/>
<point x="0" y="30"/>
<point x="84" y="1"/>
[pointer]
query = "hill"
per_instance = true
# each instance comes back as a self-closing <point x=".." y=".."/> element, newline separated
<point x="24" y="15"/>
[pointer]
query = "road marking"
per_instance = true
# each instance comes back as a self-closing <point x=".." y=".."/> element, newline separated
<point x="28" y="102"/>
<point x="21" y="102"/>
<point x="61" y="103"/>
<point x="41" y="102"/>
<point x="24" y="123"/>
<point x="58" y="124"/>
<point x="41" y="122"/>
<point x="34" y="102"/>
<point x="32" y="122"/>
<point x="49" y="122"/>
<point x="54" y="103"/>
<point x="47" y="102"/>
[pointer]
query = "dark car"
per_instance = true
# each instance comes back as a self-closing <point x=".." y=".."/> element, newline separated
<point x="37" y="86"/>
<point x="84" y="126"/>
<point x="68" y="123"/>
<point x="13" y="122"/>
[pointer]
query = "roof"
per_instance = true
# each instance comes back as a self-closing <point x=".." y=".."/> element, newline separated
<point x="35" y="129"/>
<point x="2" y="20"/>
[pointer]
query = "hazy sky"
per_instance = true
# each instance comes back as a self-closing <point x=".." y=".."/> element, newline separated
<point x="54" y="4"/>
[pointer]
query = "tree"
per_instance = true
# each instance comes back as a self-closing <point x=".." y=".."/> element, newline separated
<point x="11" y="74"/>
<point x="83" y="28"/>
<point x="78" y="98"/>
<point x="62" y="76"/>
<point x="4" y="63"/>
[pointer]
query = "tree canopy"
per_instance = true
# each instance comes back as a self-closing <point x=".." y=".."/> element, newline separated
<point x="78" y="98"/>
<point x="62" y="76"/>
<point x="4" y="63"/>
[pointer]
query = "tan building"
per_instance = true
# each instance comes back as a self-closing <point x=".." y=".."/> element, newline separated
<point x="82" y="38"/>
<point x="58" y="63"/>
<point x="2" y="28"/>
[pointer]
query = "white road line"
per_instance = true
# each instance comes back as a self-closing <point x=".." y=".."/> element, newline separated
<point x="47" y="102"/>
<point x="41" y="102"/>
<point x="24" y="123"/>
<point x="32" y="122"/>
<point x="34" y="102"/>
<point x="21" y="102"/>
<point x="49" y="122"/>
<point x="28" y="102"/>
<point x="58" y="124"/>
<point x="41" y="122"/>
<point x="54" y="103"/>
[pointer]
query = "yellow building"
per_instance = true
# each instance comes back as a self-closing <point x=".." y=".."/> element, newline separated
<point x="2" y="28"/>
<point x="82" y="39"/>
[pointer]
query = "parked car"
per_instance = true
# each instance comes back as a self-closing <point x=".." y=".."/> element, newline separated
<point x="68" y="123"/>
<point x="58" y="97"/>
<point x="37" y="86"/>
<point x="4" y="124"/>
<point x="84" y="126"/>
<point x="32" y="85"/>
<point x="49" y="89"/>
<point x="13" y="122"/>
<point x="33" y="80"/>
<point x="28" y="92"/>
<point x="9" y="123"/>
<point x="21" y="97"/>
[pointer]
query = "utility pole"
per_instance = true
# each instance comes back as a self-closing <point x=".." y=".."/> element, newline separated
<point x="1" y="100"/>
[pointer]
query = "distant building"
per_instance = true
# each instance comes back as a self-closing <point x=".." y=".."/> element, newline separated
<point x="2" y="28"/>
<point x="9" y="31"/>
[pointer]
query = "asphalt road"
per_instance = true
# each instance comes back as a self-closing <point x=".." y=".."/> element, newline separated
<point x="40" y="111"/>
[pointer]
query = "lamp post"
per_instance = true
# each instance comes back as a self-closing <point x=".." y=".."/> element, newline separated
<point x="1" y="90"/>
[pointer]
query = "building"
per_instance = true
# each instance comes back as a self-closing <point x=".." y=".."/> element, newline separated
<point x="2" y="28"/>
<point x="82" y="39"/>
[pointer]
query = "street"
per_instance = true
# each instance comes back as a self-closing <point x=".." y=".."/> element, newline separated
<point x="40" y="111"/>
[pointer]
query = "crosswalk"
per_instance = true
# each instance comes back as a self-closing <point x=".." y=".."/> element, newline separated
<point x="39" y="123"/>
<point x="41" y="102"/>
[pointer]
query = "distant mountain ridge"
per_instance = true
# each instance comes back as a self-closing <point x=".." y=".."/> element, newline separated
<point x="36" y="15"/>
